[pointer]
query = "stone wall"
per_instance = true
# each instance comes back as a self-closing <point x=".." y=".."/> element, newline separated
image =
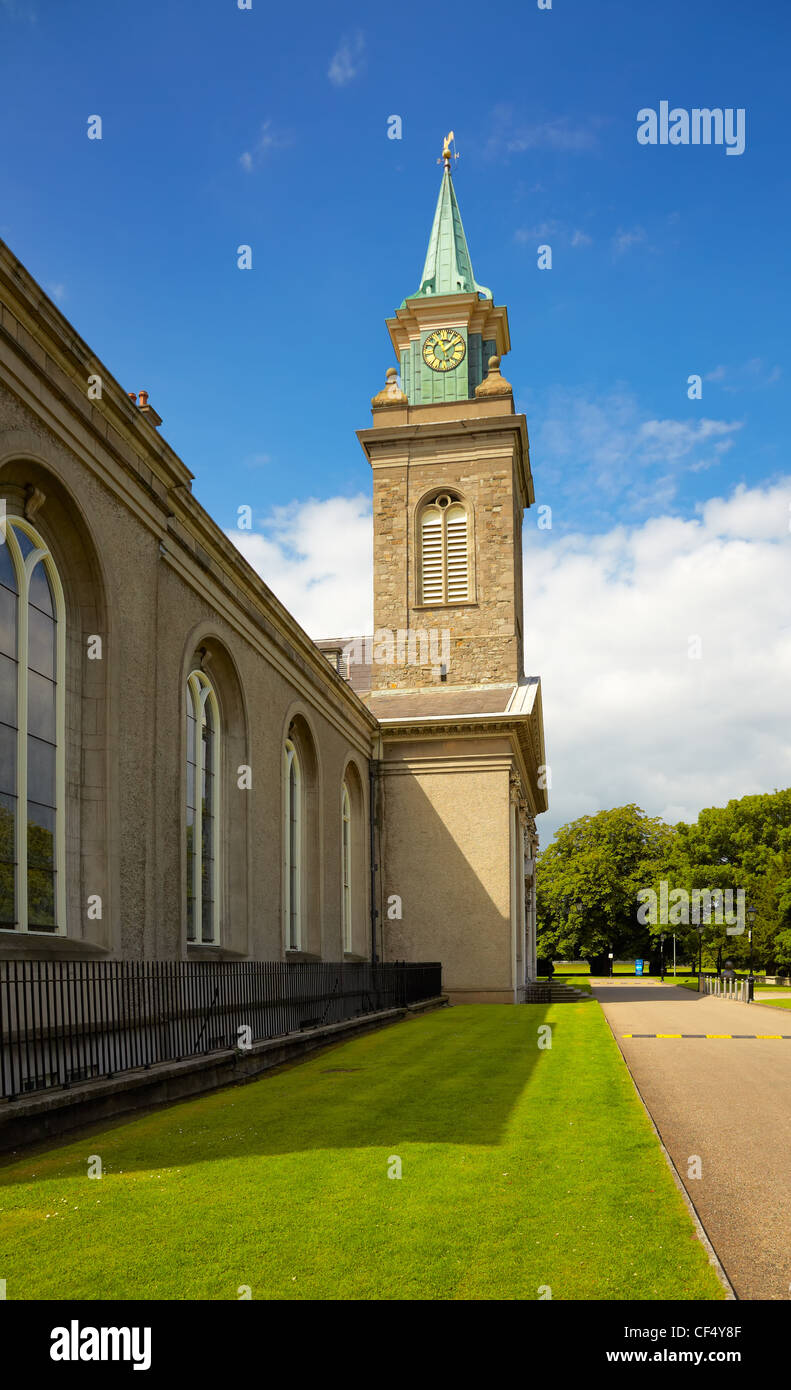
<point x="145" y="568"/>
<point x="446" y="856"/>
<point x="484" y="634"/>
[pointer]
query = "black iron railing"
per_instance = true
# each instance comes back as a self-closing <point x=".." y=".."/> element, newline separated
<point x="62" y="1022"/>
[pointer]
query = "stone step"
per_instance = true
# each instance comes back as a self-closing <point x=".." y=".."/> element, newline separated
<point x="554" y="994"/>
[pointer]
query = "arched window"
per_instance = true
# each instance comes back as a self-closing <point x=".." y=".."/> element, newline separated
<point x="444" y="551"/>
<point x="32" y="733"/>
<point x="292" y="836"/>
<point x="203" y="811"/>
<point x="346" y="867"/>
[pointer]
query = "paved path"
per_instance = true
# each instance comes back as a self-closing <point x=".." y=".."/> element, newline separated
<point x="727" y="1100"/>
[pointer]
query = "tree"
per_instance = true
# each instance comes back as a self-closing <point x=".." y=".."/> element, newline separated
<point x="746" y="845"/>
<point x="590" y="876"/>
<point x="587" y="882"/>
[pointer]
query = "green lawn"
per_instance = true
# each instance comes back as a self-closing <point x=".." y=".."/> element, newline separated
<point x="577" y="970"/>
<point x="521" y="1168"/>
<point x="774" y="1003"/>
<point x="582" y="967"/>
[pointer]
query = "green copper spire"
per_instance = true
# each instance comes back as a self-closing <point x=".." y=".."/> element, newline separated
<point x="448" y="268"/>
<point x="443" y="347"/>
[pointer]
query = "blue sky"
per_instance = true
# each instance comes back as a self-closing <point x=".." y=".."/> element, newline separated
<point x="680" y="263"/>
<point x="268" y="127"/>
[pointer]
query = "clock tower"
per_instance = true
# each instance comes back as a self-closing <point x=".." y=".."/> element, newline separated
<point x="451" y="480"/>
<point x="459" y="770"/>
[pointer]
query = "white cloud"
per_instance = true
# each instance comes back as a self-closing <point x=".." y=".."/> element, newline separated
<point x="550" y="135"/>
<point x="268" y="140"/>
<point x="624" y="240"/>
<point x="543" y="230"/>
<point x="609" y="617"/>
<point x="538" y="232"/>
<point x="749" y="376"/>
<point x="317" y="557"/>
<point x="603" y="453"/>
<point x="671" y="440"/>
<point x="512" y="135"/>
<point x="629" y="716"/>
<point x="348" y="60"/>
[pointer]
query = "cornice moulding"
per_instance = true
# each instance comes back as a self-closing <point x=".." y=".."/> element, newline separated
<point x="111" y="437"/>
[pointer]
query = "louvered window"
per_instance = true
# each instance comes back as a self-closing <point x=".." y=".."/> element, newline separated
<point x="444" y="552"/>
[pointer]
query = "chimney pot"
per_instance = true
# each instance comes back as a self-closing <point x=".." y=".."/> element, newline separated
<point x="133" y="397"/>
<point x="148" y="410"/>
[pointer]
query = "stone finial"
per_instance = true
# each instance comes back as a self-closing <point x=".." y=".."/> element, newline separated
<point x="495" y="384"/>
<point x="391" y="393"/>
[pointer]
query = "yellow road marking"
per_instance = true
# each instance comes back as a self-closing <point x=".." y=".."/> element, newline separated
<point x="732" y="1037"/>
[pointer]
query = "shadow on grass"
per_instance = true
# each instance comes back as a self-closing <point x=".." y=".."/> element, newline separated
<point x="452" y="1077"/>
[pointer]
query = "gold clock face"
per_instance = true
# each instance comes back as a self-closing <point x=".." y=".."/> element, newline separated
<point x="444" y="349"/>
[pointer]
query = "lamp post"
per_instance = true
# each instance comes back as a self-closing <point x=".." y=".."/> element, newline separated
<point x="716" y="903"/>
<point x="751" y="915"/>
<point x="578" y="906"/>
<point x="662" y="953"/>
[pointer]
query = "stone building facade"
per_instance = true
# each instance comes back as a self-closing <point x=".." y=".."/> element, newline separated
<point x="183" y="772"/>
<point x="462" y="768"/>
<point x="478" y="450"/>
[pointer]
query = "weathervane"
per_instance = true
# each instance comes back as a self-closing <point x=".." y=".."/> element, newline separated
<point x="447" y="155"/>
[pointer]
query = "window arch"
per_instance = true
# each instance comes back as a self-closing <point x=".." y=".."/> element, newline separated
<point x="444" y="548"/>
<point x="347" y="920"/>
<point x="32" y="733"/>
<point x="203" y="811"/>
<point x="292" y="837"/>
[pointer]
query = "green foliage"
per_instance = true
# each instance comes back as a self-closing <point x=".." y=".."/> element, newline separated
<point x="40" y="877"/>
<point x="588" y="881"/>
